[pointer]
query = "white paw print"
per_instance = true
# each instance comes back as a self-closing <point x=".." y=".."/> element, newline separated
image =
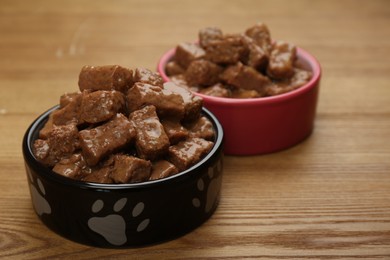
<point x="215" y="177"/>
<point x="113" y="227"/>
<point x="40" y="204"/>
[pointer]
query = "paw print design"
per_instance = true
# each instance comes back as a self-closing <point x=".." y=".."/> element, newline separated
<point x="113" y="227"/>
<point x="215" y="177"/>
<point x="40" y="204"/>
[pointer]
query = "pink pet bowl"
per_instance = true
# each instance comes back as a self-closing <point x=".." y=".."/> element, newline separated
<point x="266" y="124"/>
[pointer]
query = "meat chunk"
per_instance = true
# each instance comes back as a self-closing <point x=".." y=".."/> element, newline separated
<point x="208" y="35"/>
<point x="69" y="111"/>
<point x="202" y="72"/>
<point x="73" y="167"/>
<point x="245" y="77"/>
<point x="101" y="105"/>
<point x="228" y="50"/>
<point x="47" y="128"/>
<point x="89" y="107"/>
<point x="257" y="56"/>
<point x="148" y="76"/>
<point x="201" y="128"/>
<point x="100" y="141"/>
<point x="174" y="130"/>
<point x="281" y="61"/>
<point x="68" y="98"/>
<point x="168" y="103"/>
<point x="151" y="140"/>
<point x="261" y="36"/>
<point x="300" y="78"/>
<point x="188" y="152"/>
<point x="188" y="52"/>
<point x="162" y="169"/>
<point x="217" y="90"/>
<point x="192" y="103"/>
<point x="130" y="169"/>
<point x="181" y="81"/>
<point x="99" y="175"/>
<point x="173" y="68"/>
<point x="243" y="93"/>
<point x="61" y="142"/>
<point x="108" y="77"/>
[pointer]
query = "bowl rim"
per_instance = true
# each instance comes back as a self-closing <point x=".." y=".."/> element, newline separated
<point x="47" y="173"/>
<point x="301" y="54"/>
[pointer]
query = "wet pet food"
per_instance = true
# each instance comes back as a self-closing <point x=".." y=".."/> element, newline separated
<point x="246" y="65"/>
<point x="124" y="126"/>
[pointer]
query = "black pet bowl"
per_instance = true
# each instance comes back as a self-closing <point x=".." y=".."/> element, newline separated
<point x="125" y="215"/>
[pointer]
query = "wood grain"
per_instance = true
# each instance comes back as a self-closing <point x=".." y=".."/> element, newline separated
<point x="326" y="198"/>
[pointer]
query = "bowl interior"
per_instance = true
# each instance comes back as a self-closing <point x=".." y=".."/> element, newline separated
<point x="33" y="132"/>
<point x="305" y="59"/>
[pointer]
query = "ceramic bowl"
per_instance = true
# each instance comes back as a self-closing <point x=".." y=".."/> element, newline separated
<point x="124" y="215"/>
<point x="266" y="124"/>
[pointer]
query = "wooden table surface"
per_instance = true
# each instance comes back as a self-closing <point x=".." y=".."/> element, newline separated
<point x="326" y="198"/>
